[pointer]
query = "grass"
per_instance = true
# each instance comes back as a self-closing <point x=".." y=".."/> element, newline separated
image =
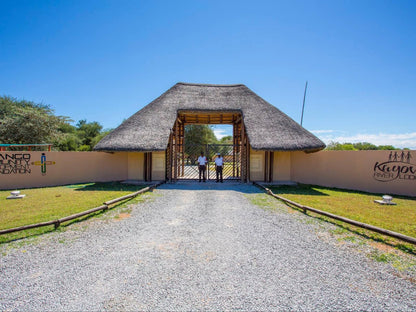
<point x="359" y="206"/>
<point x="356" y="205"/>
<point x="50" y="203"/>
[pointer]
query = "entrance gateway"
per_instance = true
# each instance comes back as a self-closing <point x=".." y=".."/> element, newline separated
<point x="263" y="136"/>
<point x="181" y="158"/>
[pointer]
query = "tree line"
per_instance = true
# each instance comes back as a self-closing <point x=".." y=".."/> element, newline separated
<point x="26" y="122"/>
<point x="360" y="146"/>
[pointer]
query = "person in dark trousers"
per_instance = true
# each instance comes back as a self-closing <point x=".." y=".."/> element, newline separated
<point x="202" y="166"/>
<point x="219" y="164"/>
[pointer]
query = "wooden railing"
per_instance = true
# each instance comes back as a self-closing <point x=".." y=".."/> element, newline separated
<point x="373" y="228"/>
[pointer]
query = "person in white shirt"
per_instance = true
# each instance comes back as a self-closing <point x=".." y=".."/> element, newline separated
<point x="219" y="163"/>
<point x="202" y="161"/>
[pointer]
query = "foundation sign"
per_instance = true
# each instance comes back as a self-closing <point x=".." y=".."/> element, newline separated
<point x="19" y="163"/>
<point x="399" y="166"/>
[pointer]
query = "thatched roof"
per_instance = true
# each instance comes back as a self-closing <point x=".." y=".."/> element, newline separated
<point x="267" y="127"/>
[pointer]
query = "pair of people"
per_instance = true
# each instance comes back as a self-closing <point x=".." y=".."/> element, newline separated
<point x="219" y="164"/>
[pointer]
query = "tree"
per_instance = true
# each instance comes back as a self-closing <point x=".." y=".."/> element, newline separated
<point x="98" y="138"/>
<point x="199" y="135"/>
<point x="226" y="140"/>
<point x="196" y="138"/>
<point x="87" y="132"/>
<point x="25" y="122"/>
<point x="336" y="146"/>
<point x="360" y="146"/>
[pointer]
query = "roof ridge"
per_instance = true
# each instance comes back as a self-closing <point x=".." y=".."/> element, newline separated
<point x="209" y="85"/>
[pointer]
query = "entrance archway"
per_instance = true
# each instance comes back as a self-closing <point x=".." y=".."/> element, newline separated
<point x="180" y="159"/>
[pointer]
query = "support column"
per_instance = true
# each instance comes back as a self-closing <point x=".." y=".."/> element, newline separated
<point x="175" y="160"/>
<point x="148" y="166"/>
<point x="243" y="154"/>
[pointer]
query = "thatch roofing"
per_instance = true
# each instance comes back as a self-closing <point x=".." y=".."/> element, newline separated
<point x="267" y="127"/>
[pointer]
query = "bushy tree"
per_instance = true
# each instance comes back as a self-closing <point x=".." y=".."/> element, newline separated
<point x="196" y="138"/>
<point x="199" y="135"/>
<point x="25" y="122"/>
<point x="86" y="132"/>
<point x="364" y="146"/>
<point x="226" y="140"/>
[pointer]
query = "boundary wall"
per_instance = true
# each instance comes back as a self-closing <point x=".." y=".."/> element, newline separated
<point x="387" y="172"/>
<point x="21" y="169"/>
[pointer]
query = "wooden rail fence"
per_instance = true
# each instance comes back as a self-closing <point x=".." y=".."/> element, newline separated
<point x="58" y="222"/>
<point x="373" y="228"/>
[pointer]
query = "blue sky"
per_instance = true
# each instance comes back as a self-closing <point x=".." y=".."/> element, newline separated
<point x="104" y="60"/>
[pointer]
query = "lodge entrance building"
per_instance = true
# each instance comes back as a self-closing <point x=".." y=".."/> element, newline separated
<point x="262" y="139"/>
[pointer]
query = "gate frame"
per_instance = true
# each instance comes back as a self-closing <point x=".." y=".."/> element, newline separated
<point x="190" y="117"/>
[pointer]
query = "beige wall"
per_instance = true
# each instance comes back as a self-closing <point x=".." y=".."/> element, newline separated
<point x="64" y="168"/>
<point x="282" y="166"/>
<point x="356" y="170"/>
<point x="135" y="166"/>
<point x="158" y="166"/>
<point x="256" y="165"/>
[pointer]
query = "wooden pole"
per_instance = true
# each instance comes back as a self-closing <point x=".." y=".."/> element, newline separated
<point x="169" y="157"/>
<point x="303" y="106"/>
<point x="243" y="154"/>
<point x="183" y="148"/>
<point x="266" y="166"/>
<point x="248" y="159"/>
<point x="176" y="151"/>
<point x="234" y="143"/>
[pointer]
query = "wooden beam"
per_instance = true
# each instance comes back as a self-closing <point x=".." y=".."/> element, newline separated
<point x="175" y="159"/>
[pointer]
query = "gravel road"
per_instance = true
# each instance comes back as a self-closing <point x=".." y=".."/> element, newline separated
<point x="196" y="247"/>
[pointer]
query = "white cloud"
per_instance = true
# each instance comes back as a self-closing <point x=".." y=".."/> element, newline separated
<point x="400" y="140"/>
<point x="220" y="133"/>
<point x="322" y="131"/>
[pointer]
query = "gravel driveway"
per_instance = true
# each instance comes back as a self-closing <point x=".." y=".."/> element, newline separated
<point x="196" y="247"/>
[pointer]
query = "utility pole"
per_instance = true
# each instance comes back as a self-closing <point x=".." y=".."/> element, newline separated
<point x="303" y="106"/>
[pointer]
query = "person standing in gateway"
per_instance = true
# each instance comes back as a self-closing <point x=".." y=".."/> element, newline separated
<point x="219" y="163"/>
<point x="202" y="162"/>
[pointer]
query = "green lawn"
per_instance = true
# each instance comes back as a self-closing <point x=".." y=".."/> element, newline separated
<point x="50" y="203"/>
<point x="355" y="205"/>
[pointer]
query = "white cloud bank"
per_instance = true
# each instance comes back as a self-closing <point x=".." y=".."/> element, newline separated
<point x="397" y="140"/>
<point x="220" y="133"/>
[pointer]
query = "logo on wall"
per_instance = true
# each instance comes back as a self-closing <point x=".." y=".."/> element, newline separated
<point x="43" y="163"/>
<point x="13" y="163"/>
<point x="398" y="166"/>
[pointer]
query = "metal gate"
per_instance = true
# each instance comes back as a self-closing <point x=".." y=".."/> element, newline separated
<point x="188" y="161"/>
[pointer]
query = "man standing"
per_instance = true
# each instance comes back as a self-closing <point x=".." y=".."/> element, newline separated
<point x="219" y="163"/>
<point x="202" y="162"/>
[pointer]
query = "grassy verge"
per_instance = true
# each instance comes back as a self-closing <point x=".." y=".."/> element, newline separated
<point x="358" y="206"/>
<point x="50" y="203"/>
